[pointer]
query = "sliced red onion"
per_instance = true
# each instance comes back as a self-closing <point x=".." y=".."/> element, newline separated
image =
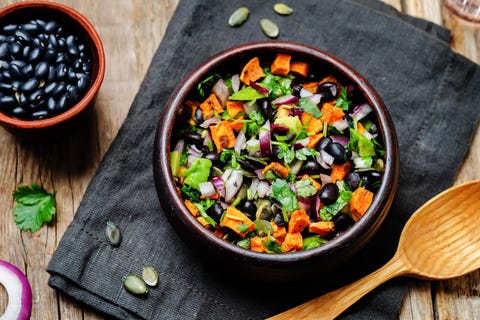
<point x="315" y="98"/>
<point x="232" y="185"/>
<point x="208" y="139"/>
<point x="322" y="162"/>
<point x="194" y="151"/>
<point x="191" y="158"/>
<point x="296" y="166"/>
<point x="325" y="178"/>
<point x="263" y="189"/>
<point x="279" y="129"/>
<point x="18" y="290"/>
<point x="179" y="146"/>
<point x="303" y="142"/>
<point x="287" y="99"/>
<point x="260" y="174"/>
<point x="259" y="87"/>
<point x="207" y="189"/>
<point x="360" y="111"/>
<point x="226" y="174"/>
<point x="253" y="147"/>
<point x="295" y="112"/>
<point x="218" y="183"/>
<point x="305" y="93"/>
<point x="210" y="122"/>
<point x="326" y="157"/>
<point x="350" y="88"/>
<point x="235" y="82"/>
<point x="339" y="139"/>
<point x="317" y="207"/>
<point x="304" y="203"/>
<point x="264" y="137"/>
<point x="221" y="91"/>
<point x="240" y="142"/>
<point x="341" y="124"/>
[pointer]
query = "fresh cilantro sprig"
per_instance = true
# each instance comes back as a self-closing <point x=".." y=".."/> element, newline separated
<point x="35" y="206"/>
<point x="285" y="195"/>
<point x="343" y="101"/>
<point x="255" y="122"/>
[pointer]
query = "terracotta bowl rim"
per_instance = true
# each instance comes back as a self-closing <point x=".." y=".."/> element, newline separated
<point x="361" y="229"/>
<point x="90" y="31"/>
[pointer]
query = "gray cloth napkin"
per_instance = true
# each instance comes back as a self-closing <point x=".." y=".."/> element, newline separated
<point x="431" y="92"/>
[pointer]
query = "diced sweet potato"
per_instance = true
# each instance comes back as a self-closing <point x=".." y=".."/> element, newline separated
<point x="279" y="233"/>
<point x="331" y="113"/>
<point x="193" y="210"/>
<point x="340" y="171"/>
<point x="237" y="124"/>
<point x="223" y="136"/>
<point x="300" y="68"/>
<point x="252" y="71"/>
<point x="311" y="86"/>
<point x="210" y="106"/>
<point x="282" y="112"/>
<point x="293" y="241"/>
<point x="281" y="64"/>
<point x="299" y="220"/>
<point x="360" y="202"/>
<point x="234" y="108"/>
<point x="278" y="169"/>
<point x="313" y="140"/>
<point x="203" y="222"/>
<point x="257" y="244"/>
<point x="323" y="228"/>
<point x="237" y="221"/>
<point x="331" y="79"/>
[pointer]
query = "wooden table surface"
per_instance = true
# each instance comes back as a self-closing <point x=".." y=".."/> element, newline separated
<point x="131" y="31"/>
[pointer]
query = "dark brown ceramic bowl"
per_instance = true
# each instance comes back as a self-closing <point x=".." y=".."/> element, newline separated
<point x="76" y="24"/>
<point x="262" y="266"/>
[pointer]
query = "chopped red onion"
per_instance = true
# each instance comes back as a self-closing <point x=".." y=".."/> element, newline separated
<point x="259" y="88"/>
<point x="305" y="93"/>
<point x="240" y="142"/>
<point x="296" y="166"/>
<point x="235" y="82"/>
<point x="208" y="139"/>
<point x="279" y="129"/>
<point x="287" y="99"/>
<point x="325" y="178"/>
<point x="218" y="183"/>
<point x="19" y="292"/>
<point x="210" y="122"/>
<point x="179" y="146"/>
<point x="207" y="189"/>
<point x="303" y="142"/>
<point x="191" y="158"/>
<point x="263" y="189"/>
<point x="226" y="174"/>
<point x="220" y="89"/>
<point x="360" y="111"/>
<point x="193" y="150"/>
<point x="315" y="98"/>
<point x="341" y="124"/>
<point x="340" y="139"/>
<point x="317" y="207"/>
<point x="265" y="142"/>
<point x="304" y="203"/>
<point x="254" y="186"/>
<point x="327" y="158"/>
<point x="233" y="185"/>
<point x="295" y="112"/>
<point x="260" y="174"/>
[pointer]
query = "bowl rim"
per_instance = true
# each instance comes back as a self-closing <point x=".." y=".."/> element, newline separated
<point x="98" y="47"/>
<point x="381" y="199"/>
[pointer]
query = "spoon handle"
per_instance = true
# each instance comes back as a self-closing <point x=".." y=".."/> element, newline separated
<point x="335" y="302"/>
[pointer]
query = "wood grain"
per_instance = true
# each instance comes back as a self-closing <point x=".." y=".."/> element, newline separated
<point x="131" y="31"/>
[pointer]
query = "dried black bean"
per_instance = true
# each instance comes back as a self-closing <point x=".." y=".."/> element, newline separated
<point x="73" y="93"/>
<point x="50" y="87"/>
<point x="23" y="100"/>
<point x="40" y="114"/>
<point x="52" y="42"/>
<point x="22" y="36"/>
<point x="41" y="70"/>
<point x="4" y="50"/>
<point x="15" y="71"/>
<point x="51" y="105"/>
<point x="51" y="27"/>
<point x="63" y="103"/>
<point x="83" y="83"/>
<point x="8" y="101"/>
<point x="30" y="85"/>
<point x="35" y="54"/>
<point x="16" y="49"/>
<point x="18" y="63"/>
<point x="18" y="111"/>
<point x="9" y="29"/>
<point x="50" y="55"/>
<point x="27" y="71"/>
<point x="5" y="87"/>
<point x="59" y="90"/>
<point x="36" y="97"/>
<point x="31" y="28"/>
<point x="61" y="71"/>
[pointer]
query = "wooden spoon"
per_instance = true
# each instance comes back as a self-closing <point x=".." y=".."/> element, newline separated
<point x="440" y="241"/>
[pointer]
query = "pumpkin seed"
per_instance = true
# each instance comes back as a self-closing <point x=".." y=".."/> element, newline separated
<point x="113" y="234"/>
<point x="269" y="28"/>
<point x="282" y="9"/>
<point x="135" y="285"/>
<point x="150" y="276"/>
<point x="238" y="17"/>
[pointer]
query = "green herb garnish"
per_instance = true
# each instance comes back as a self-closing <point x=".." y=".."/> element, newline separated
<point x="35" y="206"/>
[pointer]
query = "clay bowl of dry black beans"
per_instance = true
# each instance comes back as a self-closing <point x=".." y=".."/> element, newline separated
<point x="52" y="64"/>
<point x="275" y="161"/>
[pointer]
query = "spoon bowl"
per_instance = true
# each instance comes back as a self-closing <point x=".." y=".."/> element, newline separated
<point x="441" y="240"/>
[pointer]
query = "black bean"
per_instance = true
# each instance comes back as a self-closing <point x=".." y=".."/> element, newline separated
<point x="338" y="152"/>
<point x="50" y="87"/>
<point x="23" y="100"/>
<point x="63" y="103"/>
<point x="15" y="71"/>
<point x="40" y="114"/>
<point x="28" y="71"/>
<point x="41" y="23"/>
<point x="248" y="207"/>
<point x="83" y="84"/>
<point x="39" y="43"/>
<point x="51" y="27"/>
<point x="9" y="29"/>
<point x="265" y="108"/>
<point x="52" y="74"/>
<point x="41" y="70"/>
<point x="16" y="49"/>
<point x="51" y="104"/>
<point x="8" y="101"/>
<point x="342" y="221"/>
<point x="4" y="50"/>
<point x="4" y="65"/>
<point x="72" y="49"/>
<point x="59" y="90"/>
<point x="70" y="40"/>
<point x="215" y="211"/>
<point x="50" y="55"/>
<point x="6" y="87"/>
<point x="353" y="180"/>
<point x="36" y="97"/>
<point x="87" y="66"/>
<point x="328" y="91"/>
<point x="193" y="138"/>
<point x="73" y="93"/>
<point x="61" y="71"/>
<point x="61" y="43"/>
<point x="6" y="76"/>
<point x="71" y="75"/>
<point x="52" y="42"/>
<point x="328" y="193"/>
<point x="18" y="63"/>
<point x="16" y="85"/>
<point x="62" y="57"/>
<point x="30" y="85"/>
<point x="278" y="219"/>
<point x="19" y="111"/>
<point x="35" y="55"/>
<point x="26" y="52"/>
<point x="213" y="156"/>
<point x="31" y="28"/>
<point x="22" y="36"/>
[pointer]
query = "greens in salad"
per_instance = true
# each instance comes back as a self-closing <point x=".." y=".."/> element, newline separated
<point x="277" y="158"/>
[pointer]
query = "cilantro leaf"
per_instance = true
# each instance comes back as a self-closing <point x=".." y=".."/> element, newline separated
<point x="310" y="107"/>
<point x="343" y="101"/>
<point x="302" y="154"/>
<point x="313" y="242"/>
<point x="285" y="195"/>
<point x="286" y="153"/>
<point x="35" y="206"/>
<point x="273" y="246"/>
<point x="256" y="121"/>
<point x="305" y="188"/>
